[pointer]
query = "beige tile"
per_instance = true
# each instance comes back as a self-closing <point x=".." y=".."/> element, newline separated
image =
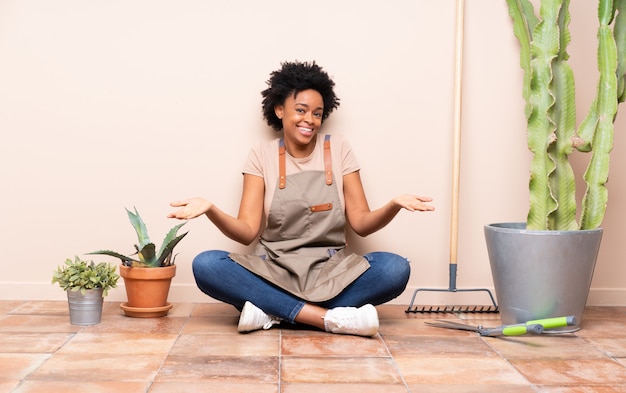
<point x="417" y="327"/>
<point x="430" y="346"/>
<point x="330" y="345"/>
<point x="181" y="310"/>
<point x="99" y="368"/>
<point x="571" y="372"/>
<point x="343" y="388"/>
<point x="199" y="345"/>
<point x="7" y="386"/>
<point x="339" y="370"/>
<point x="565" y="346"/>
<point x="230" y="369"/>
<point x="82" y="387"/>
<point x="582" y="389"/>
<point x="6" y="306"/>
<point x="213" y="386"/>
<point x="19" y="365"/>
<point x="449" y="370"/>
<point x="32" y="342"/>
<point x="460" y="387"/>
<point x="120" y="343"/>
<point x="612" y="327"/>
<point x="42" y="308"/>
<point x="215" y="310"/>
<point x="37" y="324"/>
<point x="197" y="348"/>
<point x="477" y="318"/>
<point x="122" y="324"/>
<point x="221" y="326"/>
<point x="613" y="347"/>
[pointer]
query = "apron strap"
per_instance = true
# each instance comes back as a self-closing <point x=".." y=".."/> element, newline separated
<point x="282" y="171"/>
<point x="328" y="163"/>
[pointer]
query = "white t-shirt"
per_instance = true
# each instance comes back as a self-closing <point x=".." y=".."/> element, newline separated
<point x="263" y="161"/>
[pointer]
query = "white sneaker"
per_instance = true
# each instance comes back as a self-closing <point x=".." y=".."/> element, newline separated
<point x="361" y="321"/>
<point x="253" y="318"/>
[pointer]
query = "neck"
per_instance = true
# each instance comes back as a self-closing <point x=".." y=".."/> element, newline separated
<point x="297" y="150"/>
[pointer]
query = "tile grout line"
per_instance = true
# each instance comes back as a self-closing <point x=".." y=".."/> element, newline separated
<point x="393" y="361"/>
<point x="280" y="359"/>
<point x="167" y="354"/>
<point x="530" y="384"/>
<point x="71" y="335"/>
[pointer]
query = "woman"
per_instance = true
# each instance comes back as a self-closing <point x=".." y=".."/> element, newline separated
<point x="298" y="193"/>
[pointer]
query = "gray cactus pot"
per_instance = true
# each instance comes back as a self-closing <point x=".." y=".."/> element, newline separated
<point x="85" y="309"/>
<point x="541" y="274"/>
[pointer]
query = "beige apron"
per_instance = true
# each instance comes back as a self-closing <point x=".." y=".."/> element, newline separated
<point x="302" y="249"/>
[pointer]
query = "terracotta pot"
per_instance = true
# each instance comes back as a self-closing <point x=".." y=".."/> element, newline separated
<point x="147" y="290"/>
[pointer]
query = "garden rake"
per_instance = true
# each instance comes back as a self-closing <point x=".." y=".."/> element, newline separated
<point x="454" y="227"/>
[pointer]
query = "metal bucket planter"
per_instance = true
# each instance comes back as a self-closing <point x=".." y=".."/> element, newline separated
<point x="541" y="274"/>
<point x="85" y="309"/>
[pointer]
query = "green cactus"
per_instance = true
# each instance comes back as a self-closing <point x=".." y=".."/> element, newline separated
<point x="548" y="89"/>
<point x="146" y="250"/>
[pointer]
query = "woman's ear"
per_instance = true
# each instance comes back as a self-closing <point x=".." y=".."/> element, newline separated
<point x="278" y="110"/>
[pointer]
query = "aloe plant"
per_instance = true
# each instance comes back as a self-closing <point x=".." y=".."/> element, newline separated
<point x="548" y="89"/>
<point x="146" y="255"/>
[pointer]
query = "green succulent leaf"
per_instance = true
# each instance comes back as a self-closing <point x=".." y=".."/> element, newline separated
<point x="80" y="275"/>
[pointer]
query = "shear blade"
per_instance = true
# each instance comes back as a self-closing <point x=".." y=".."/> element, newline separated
<point x="454" y="325"/>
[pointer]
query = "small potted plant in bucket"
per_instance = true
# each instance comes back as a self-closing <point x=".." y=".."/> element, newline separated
<point x="86" y="284"/>
<point x="147" y="273"/>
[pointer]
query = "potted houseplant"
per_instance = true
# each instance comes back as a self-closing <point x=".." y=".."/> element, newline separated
<point x="544" y="267"/>
<point x="86" y="284"/>
<point x="147" y="273"/>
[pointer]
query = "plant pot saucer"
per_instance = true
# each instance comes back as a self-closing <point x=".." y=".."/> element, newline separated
<point x="145" y="312"/>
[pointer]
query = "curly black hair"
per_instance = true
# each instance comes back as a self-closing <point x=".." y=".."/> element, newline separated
<point x="292" y="78"/>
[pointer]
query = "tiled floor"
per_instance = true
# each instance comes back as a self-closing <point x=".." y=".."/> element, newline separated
<point x="196" y="349"/>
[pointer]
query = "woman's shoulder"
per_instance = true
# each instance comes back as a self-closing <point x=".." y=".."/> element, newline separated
<point x="335" y="138"/>
<point x="266" y="145"/>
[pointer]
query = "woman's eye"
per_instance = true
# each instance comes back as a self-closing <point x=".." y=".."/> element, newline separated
<point x="300" y="110"/>
<point x="318" y="115"/>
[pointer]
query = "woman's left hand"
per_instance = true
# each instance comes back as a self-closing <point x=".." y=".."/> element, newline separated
<point x="414" y="202"/>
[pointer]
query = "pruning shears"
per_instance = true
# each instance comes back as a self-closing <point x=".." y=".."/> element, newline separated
<point x="531" y="327"/>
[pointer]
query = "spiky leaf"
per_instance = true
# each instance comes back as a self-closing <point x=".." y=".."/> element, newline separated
<point x="140" y="228"/>
<point x="125" y="259"/>
<point x="169" y="248"/>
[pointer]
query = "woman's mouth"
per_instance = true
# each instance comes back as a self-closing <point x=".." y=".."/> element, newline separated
<point x="305" y="131"/>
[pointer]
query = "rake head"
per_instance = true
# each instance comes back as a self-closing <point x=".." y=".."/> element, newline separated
<point x="453" y="309"/>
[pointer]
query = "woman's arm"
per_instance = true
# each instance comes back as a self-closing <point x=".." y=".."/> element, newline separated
<point x="245" y="227"/>
<point x="364" y="221"/>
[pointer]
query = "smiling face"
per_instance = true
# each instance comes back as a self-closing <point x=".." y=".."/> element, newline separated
<point x="302" y="117"/>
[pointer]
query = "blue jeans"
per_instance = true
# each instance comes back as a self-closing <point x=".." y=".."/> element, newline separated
<point x="224" y="279"/>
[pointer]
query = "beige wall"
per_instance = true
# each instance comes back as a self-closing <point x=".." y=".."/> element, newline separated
<point x="113" y="104"/>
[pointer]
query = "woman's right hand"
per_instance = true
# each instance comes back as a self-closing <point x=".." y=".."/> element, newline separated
<point x="190" y="208"/>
